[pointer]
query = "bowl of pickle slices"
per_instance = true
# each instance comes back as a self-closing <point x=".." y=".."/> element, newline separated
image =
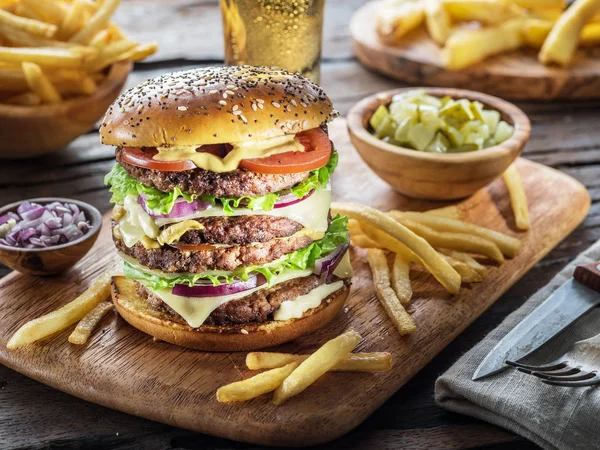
<point x="437" y="143"/>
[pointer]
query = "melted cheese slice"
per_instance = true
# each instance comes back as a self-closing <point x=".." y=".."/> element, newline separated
<point x="344" y="268"/>
<point x="196" y="310"/>
<point x="294" y="309"/>
<point x="312" y="213"/>
<point x="241" y="150"/>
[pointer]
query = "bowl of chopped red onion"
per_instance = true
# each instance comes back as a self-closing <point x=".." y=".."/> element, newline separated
<point x="45" y="236"/>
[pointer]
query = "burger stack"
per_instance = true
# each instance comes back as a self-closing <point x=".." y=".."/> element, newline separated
<point x="222" y="193"/>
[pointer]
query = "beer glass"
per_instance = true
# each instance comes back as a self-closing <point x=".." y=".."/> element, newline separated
<point x="282" y="33"/>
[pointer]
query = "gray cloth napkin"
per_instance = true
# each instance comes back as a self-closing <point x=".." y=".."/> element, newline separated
<point x="551" y="416"/>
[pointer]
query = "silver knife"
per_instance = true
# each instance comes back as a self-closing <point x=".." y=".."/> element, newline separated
<point x="572" y="300"/>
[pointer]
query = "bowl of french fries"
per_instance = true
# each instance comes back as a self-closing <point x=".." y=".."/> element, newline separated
<point x="62" y="63"/>
<point x="471" y="31"/>
<point x="429" y="172"/>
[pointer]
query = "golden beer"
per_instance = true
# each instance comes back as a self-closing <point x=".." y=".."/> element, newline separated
<point x="282" y="33"/>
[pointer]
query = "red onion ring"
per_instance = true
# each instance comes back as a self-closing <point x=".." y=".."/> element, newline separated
<point x="181" y="208"/>
<point x="326" y="265"/>
<point x="290" y="199"/>
<point x="208" y="290"/>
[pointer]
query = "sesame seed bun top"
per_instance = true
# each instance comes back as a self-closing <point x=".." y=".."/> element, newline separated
<point x="215" y="105"/>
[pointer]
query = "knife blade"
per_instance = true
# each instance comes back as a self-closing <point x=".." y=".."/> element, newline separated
<point x="569" y="302"/>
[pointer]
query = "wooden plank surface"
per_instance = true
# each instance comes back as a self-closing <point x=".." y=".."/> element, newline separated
<point x="124" y="369"/>
<point x="565" y="135"/>
<point x="517" y="74"/>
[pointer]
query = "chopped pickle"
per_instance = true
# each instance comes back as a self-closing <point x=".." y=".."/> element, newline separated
<point x="438" y="125"/>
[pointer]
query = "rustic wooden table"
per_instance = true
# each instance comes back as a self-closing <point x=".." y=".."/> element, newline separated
<point x="565" y="136"/>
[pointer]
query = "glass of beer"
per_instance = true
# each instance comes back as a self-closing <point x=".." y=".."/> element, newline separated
<point x="282" y="33"/>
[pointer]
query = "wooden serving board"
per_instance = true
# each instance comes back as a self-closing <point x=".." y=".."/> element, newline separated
<point x="124" y="369"/>
<point x="517" y="75"/>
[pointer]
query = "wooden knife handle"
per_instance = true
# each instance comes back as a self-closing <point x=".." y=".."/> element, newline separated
<point x="589" y="275"/>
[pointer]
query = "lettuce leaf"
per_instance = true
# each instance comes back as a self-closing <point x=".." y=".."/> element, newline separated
<point x="336" y="234"/>
<point x="122" y="185"/>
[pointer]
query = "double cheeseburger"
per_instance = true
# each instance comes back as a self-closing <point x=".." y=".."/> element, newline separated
<point x="221" y="213"/>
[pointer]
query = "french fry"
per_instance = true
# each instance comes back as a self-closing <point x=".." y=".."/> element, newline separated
<point x="490" y="12"/>
<point x="40" y="84"/>
<point x="467" y="47"/>
<point x="316" y="365"/>
<point x="508" y="245"/>
<point x="51" y="57"/>
<point x="24" y="99"/>
<point x="51" y="11"/>
<point x="398" y="18"/>
<point x="535" y="32"/>
<point x="561" y="43"/>
<point x="384" y="240"/>
<point x="550" y="14"/>
<point x="468" y="259"/>
<point x="109" y="55"/>
<point x="141" y="51"/>
<point x="537" y="4"/>
<point x="438" y="21"/>
<point x="101" y="38"/>
<point x="518" y="199"/>
<point x="466" y="272"/>
<point x="98" y="21"/>
<point x="365" y="242"/>
<point x="60" y="319"/>
<point x="73" y="20"/>
<point x="386" y="295"/>
<point x="354" y="362"/>
<point x="590" y="35"/>
<point x="451" y="212"/>
<point x="85" y="327"/>
<point x="401" y="279"/>
<point x="255" y="386"/>
<point x="456" y="241"/>
<point x="31" y="26"/>
<point x="432" y="261"/>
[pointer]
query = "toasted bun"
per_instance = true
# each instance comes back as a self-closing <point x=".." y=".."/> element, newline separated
<point x="213" y="338"/>
<point x="215" y="105"/>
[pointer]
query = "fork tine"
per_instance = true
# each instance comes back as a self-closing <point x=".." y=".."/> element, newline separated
<point x="582" y="383"/>
<point x="575" y="375"/>
<point x="555" y="365"/>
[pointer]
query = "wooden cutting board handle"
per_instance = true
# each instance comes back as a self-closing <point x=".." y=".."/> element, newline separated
<point x="589" y="275"/>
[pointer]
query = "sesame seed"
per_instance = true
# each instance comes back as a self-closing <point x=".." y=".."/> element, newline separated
<point x="275" y="104"/>
<point x="224" y="95"/>
<point x="230" y="86"/>
<point x="260" y="100"/>
<point x="235" y="107"/>
<point x="254" y="108"/>
<point x="213" y="91"/>
<point x="304" y="104"/>
<point x="236" y="113"/>
<point x="260" y="105"/>
<point x="243" y="118"/>
<point x="222" y="102"/>
<point x="243" y="331"/>
<point x="293" y="102"/>
<point x="229" y="92"/>
<point x="288" y="109"/>
<point x="182" y="108"/>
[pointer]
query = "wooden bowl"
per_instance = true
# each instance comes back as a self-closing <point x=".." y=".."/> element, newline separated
<point x="29" y="131"/>
<point x="437" y="176"/>
<point x="55" y="259"/>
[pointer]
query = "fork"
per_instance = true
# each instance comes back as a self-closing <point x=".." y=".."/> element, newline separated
<point x="580" y="366"/>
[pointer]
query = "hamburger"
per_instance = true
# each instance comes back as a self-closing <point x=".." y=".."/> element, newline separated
<point x="222" y="194"/>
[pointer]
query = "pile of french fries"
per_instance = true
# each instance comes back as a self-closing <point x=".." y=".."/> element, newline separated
<point x="51" y="50"/>
<point x="436" y="240"/>
<point x="290" y="374"/>
<point x="472" y="30"/>
<point x="86" y="311"/>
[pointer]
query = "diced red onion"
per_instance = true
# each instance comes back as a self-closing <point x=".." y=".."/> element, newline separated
<point x="181" y="208"/>
<point x="290" y="199"/>
<point x="326" y="265"/>
<point x="208" y="290"/>
<point x="37" y="226"/>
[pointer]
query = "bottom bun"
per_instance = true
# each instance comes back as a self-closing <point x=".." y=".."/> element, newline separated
<point x="220" y="338"/>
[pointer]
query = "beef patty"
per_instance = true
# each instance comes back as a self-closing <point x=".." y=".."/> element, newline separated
<point x="256" y="307"/>
<point x="237" y="183"/>
<point x="171" y="259"/>
<point x="240" y="230"/>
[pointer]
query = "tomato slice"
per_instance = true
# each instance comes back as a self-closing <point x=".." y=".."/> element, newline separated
<point x="142" y="157"/>
<point x="317" y="148"/>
